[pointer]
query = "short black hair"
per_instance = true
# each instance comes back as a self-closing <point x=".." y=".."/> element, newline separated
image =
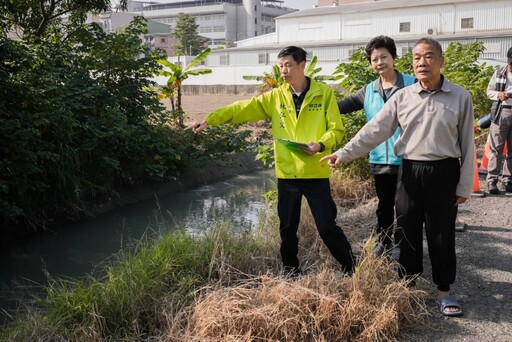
<point x="380" y="42"/>
<point x="298" y="54"/>
<point x="432" y="42"/>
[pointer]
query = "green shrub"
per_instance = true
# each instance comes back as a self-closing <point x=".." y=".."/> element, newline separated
<point x="79" y="120"/>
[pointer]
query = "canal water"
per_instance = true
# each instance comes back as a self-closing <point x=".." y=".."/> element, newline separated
<point x="76" y="250"/>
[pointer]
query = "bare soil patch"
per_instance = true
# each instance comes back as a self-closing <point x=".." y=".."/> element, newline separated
<point x="197" y="107"/>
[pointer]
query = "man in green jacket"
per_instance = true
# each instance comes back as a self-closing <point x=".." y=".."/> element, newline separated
<point x="305" y="111"/>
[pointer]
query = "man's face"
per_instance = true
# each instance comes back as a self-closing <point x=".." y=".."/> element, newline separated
<point x="291" y="71"/>
<point x="427" y="63"/>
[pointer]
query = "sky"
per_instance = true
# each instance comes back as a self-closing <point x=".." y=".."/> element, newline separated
<point x="300" y="4"/>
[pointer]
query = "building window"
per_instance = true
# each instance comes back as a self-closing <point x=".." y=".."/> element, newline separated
<point x="168" y="20"/>
<point x="255" y="8"/>
<point x="466" y="23"/>
<point x="219" y="29"/>
<point x="255" y="20"/>
<point x="268" y="18"/>
<point x="162" y="40"/>
<point x="406" y="50"/>
<point x="262" y="58"/>
<point x="405" y="27"/>
<point x="224" y="60"/>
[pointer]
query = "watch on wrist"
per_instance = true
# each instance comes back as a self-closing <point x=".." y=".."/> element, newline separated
<point x="322" y="147"/>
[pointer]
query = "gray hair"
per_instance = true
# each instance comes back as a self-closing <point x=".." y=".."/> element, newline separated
<point x="432" y="42"/>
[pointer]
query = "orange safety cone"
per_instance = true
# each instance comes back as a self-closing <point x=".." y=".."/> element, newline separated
<point x="476" y="192"/>
<point x="484" y="164"/>
<point x="485" y="157"/>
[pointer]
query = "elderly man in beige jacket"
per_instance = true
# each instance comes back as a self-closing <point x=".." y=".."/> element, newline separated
<point x="436" y="144"/>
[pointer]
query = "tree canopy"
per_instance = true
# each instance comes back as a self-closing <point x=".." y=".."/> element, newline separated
<point x="35" y="17"/>
<point x="188" y="41"/>
<point x="77" y="116"/>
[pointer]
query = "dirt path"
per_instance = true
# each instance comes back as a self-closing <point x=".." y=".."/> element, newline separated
<point x="484" y="252"/>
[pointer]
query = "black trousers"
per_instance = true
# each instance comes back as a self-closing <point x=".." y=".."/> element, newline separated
<point x="426" y="197"/>
<point x="323" y="208"/>
<point x="385" y="186"/>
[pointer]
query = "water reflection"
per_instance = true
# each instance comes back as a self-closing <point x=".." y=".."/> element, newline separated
<point x="77" y="249"/>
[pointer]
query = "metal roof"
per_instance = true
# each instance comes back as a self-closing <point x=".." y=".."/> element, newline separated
<point x="371" y="6"/>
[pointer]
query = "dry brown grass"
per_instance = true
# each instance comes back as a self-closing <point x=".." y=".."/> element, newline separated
<point x="349" y="192"/>
<point x="324" y="305"/>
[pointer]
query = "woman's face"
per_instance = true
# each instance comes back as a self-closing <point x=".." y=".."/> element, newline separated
<point x="382" y="62"/>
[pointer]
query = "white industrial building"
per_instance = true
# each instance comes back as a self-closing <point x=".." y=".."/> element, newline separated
<point x="333" y="33"/>
<point x="222" y="21"/>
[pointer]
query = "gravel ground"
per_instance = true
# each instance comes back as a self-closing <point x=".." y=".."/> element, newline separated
<point x="484" y="275"/>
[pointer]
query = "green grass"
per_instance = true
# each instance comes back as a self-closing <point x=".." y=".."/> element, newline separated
<point x="126" y="302"/>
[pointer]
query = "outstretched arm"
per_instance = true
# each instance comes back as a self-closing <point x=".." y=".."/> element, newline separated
<point x="374" y="132"/>
<point x="353" y="102"/>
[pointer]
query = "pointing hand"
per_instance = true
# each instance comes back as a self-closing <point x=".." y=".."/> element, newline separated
<point x="198" y="127"/>
<point x="332" y="160"/>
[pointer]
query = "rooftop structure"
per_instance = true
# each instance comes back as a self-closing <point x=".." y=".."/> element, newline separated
<point x="334" y="33"/>
<point x="223" y="22"/>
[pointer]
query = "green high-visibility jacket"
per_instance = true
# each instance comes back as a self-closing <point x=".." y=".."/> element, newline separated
<point x="318" y="121"/>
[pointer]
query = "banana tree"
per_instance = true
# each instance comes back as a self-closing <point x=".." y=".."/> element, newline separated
<point x="176" y="75"/>
<point x="269" y="80"/>
<point x="274" y="79"/>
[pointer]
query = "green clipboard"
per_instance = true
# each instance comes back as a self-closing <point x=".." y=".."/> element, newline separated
<point x="293" y="145"/>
